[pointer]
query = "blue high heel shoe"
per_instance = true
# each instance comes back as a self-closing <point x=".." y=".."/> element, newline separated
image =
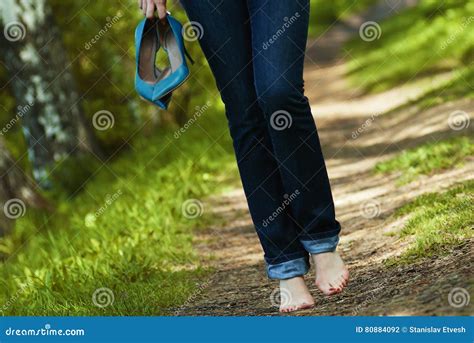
<point x="170" y="34"/>
<point x="147" y="75"/>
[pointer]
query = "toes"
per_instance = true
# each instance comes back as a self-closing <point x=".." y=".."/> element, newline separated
<point x="346" y="281"/>
<point x="332" y="288"/>
<point x="347" y="277"/>
<point x="339" y="287"/>
<point x="326" y="288"/>
<point x="288" y="309"/>
<point x="335" y="288"/>
<point x="342" y="281"/>
<point x="332" y="291"/>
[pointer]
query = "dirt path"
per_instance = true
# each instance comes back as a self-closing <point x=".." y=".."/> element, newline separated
<point x="240" y="287"/>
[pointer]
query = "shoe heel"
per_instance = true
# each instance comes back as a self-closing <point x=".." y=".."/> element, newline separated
<point x="188" y="56"/>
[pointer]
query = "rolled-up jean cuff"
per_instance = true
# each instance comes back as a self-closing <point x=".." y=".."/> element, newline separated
<point x="318" y="246"/>
<point x="288" y="269"/>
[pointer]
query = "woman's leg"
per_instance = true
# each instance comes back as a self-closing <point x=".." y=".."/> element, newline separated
<point x="279" y="34"/>
<point x="226" y="42"/>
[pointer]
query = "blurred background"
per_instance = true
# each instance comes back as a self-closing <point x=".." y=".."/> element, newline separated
<point x="103" y="195"/>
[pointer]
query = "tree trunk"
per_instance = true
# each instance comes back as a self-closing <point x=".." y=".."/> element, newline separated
<point x="17" y="193"/>
<point x="40" y="78"/>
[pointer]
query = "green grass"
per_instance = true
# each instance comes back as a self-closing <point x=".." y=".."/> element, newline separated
<point x="428" y="158"/>
<point x="433" y="36"/>
<point x="124" y="231"/>
<point x="325" y="14"/>
<point x="437" y="222"/>
<point x="460" y="86"/>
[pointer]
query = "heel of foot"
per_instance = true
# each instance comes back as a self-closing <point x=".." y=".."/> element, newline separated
<point x="294" y="295"/>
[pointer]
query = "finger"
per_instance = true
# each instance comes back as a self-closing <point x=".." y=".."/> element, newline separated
<point x="150" y="9"/>
<point x="161" y="8"/>
<point x="144" y="6"/>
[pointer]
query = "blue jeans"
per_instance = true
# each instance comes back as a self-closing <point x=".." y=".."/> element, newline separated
<point x="256" y="49"/>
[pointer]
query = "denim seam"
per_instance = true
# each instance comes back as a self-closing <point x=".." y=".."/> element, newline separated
<point x="318" y="246"/>
<point x="301" y="264"/>
<point x="290" y="257"/>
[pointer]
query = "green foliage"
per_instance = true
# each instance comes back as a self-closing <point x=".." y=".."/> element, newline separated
<point x="125" y="231"/>
<point x="100" y="40"/>
<point x="457" y="87"/>
<point x="324" y="14"/>
<point x="428" y="158"/>
<point x="431" y="36"/>
<point x="437" y="222"/>
<point x="70" y="179"/>
<point x="461" y="86"/>
<point x="121" y="226"/>
<point x="117" y="224"/>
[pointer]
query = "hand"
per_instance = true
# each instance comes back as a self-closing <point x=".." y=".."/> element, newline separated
<point x="148" y="8"/>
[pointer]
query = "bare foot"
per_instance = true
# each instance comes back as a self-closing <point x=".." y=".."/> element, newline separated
<point x="331" y="273"/>
<point x="294" y="295"/>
